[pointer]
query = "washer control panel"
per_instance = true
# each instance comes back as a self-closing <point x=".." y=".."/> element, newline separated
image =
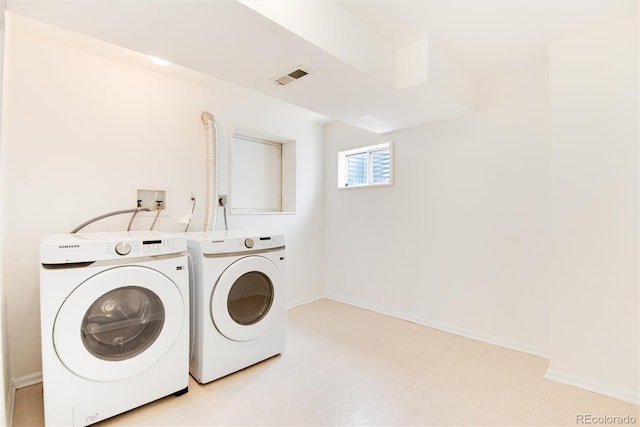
<point x="90" y="247"/>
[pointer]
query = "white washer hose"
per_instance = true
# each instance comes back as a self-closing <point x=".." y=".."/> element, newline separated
<point x="212" y="171"/>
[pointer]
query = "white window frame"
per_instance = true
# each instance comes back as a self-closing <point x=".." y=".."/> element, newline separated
<point x="368" y="150"/>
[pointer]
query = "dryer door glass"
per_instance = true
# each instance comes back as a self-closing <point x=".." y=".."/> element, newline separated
<point x="122" y="323"/>
<point x="250" y="298"/>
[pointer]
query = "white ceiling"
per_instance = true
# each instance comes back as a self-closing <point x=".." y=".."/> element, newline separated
<point x="352" y="48"/>
<point x="489" y="37"/>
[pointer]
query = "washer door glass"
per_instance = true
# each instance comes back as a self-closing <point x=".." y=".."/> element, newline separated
<point x="122" y="323"/>
<point x="250" y="298"/>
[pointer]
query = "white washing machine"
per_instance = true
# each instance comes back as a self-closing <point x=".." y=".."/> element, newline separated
<point x="115" y="323"/>
<point x="238" y="307"/>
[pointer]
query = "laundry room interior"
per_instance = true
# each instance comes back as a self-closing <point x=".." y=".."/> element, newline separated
<point x="492" y="280"/>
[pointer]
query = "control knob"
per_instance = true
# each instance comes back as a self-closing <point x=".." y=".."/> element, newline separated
<point x="123" y="248"/>
<point x="248" y="243"/>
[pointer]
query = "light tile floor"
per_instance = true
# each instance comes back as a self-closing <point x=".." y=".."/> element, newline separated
<point x="348" y="366"/>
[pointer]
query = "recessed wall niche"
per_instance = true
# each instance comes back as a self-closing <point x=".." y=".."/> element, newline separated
<point x="263" y="173"/>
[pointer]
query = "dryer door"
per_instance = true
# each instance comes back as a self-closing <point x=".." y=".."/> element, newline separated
<point x="248" y="298"/>
<point x="118" y="323"/>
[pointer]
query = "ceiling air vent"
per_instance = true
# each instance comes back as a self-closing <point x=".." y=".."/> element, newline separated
<point x="292" y="76"/>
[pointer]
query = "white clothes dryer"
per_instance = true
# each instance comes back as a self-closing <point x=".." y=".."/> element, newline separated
<point x="238" y="301"/>
<point x="114" y="323"/>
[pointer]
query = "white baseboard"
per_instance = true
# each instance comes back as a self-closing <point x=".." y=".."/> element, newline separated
<point x="627" y="395"/>
<point x="467" y="333"/>
<point x="303" y="301"/>
<point x="26" y="380"/>
<point x="10" y="405"/>
<point x="20" y="382"/>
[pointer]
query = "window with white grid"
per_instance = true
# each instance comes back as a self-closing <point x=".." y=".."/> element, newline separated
<point x="365" y="166"/>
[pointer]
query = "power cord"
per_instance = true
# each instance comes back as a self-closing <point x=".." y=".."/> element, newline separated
<point x="193" y="208"/>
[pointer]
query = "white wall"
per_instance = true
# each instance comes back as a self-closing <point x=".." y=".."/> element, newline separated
<point x="595" y="324"/>
<point x="84" y="132"/>
<point x="5" y="404"/>
<point x="518" y="225"/>
<point x="459" y="240"/>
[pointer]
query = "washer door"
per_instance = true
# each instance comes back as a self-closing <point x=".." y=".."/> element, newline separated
<point x="118" y="323"/>
<point x="248" y="298"/>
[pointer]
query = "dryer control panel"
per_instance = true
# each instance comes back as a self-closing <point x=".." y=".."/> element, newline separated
<point x="231" y="243"/>
<point x="91" y="247"/>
